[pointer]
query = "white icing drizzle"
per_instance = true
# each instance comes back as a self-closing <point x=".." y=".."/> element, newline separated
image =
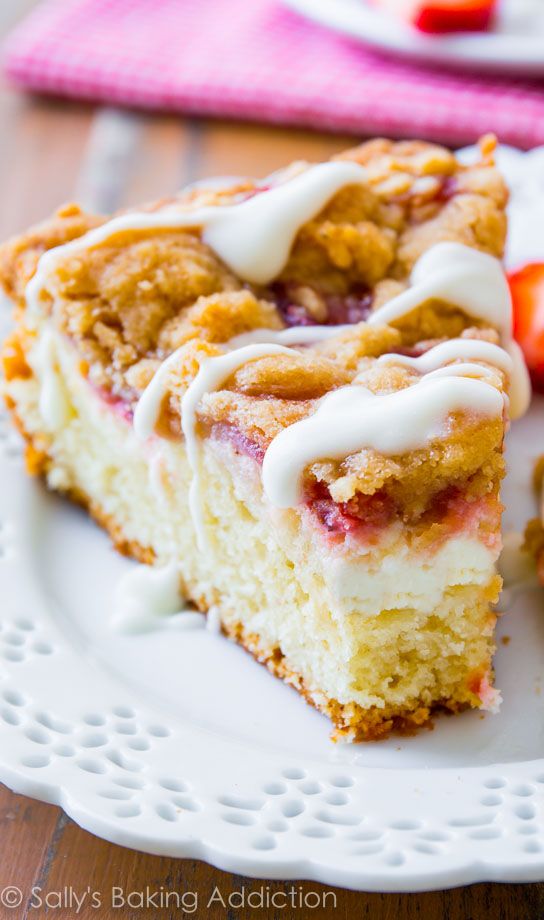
<point x="347" y="419"/>
<point x="352" y="418"/>
<point x="254" y="237"/>
<point x="211" y="375"/>
<point x="455" y="350"/>
<point x="149" y="405"/>
<point x="213" y="620"/>
<point x="520" y="391"/>
<point x="458" y="275"/>
<point x="54" y="404"/>
<point x="295" y="335"/>
<point x="474" y="282"/>
<point x="148" y="597"/>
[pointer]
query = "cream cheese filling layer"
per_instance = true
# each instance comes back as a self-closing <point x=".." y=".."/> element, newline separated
<point x="407" y="580"/>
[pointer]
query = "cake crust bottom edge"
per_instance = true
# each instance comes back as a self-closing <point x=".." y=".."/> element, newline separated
<point x="350" y="720"/>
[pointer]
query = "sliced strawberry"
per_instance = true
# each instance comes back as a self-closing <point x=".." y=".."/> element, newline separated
<point x="527" y="287"/>
<point x="443" y="15"/>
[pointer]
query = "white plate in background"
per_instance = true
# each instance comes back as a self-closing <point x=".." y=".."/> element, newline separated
<point x="514" y="45"/>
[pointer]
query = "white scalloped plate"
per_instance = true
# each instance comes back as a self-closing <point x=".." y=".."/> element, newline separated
<point x="176" y="742"/>
<point x="514" y="45"/>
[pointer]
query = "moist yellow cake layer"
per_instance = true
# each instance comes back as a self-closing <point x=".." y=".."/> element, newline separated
<point x="356" y="647"/>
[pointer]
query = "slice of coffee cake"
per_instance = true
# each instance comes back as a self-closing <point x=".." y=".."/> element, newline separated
<point x="295" y="391"/>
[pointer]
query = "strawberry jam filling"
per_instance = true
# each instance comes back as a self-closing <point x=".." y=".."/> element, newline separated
<point x="242" y="445"/>
<point x="480" y="684"/>
<point x="118" y="405"/>
<point x="449" y="513"/>
<point x="449" y="187"/>
<point x="324" y="309"/>
<point x="365" y="517"/>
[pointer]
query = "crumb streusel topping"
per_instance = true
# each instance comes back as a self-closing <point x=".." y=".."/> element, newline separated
<point x="130" y="302"/>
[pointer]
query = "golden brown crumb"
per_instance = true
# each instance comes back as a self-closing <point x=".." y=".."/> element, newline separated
<point x="19" y="256"/>
<point x="218" y="318"/>
<point x="349" y="348"/>
<point x="137" y="295"/>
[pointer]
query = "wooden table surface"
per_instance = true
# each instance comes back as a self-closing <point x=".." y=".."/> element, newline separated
<point x="52" y="151"/>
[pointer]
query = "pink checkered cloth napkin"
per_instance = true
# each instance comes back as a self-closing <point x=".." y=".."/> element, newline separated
<point x="253" y="59"/>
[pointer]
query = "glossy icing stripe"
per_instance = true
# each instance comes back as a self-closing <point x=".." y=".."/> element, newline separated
<point x="353" y="418"/>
